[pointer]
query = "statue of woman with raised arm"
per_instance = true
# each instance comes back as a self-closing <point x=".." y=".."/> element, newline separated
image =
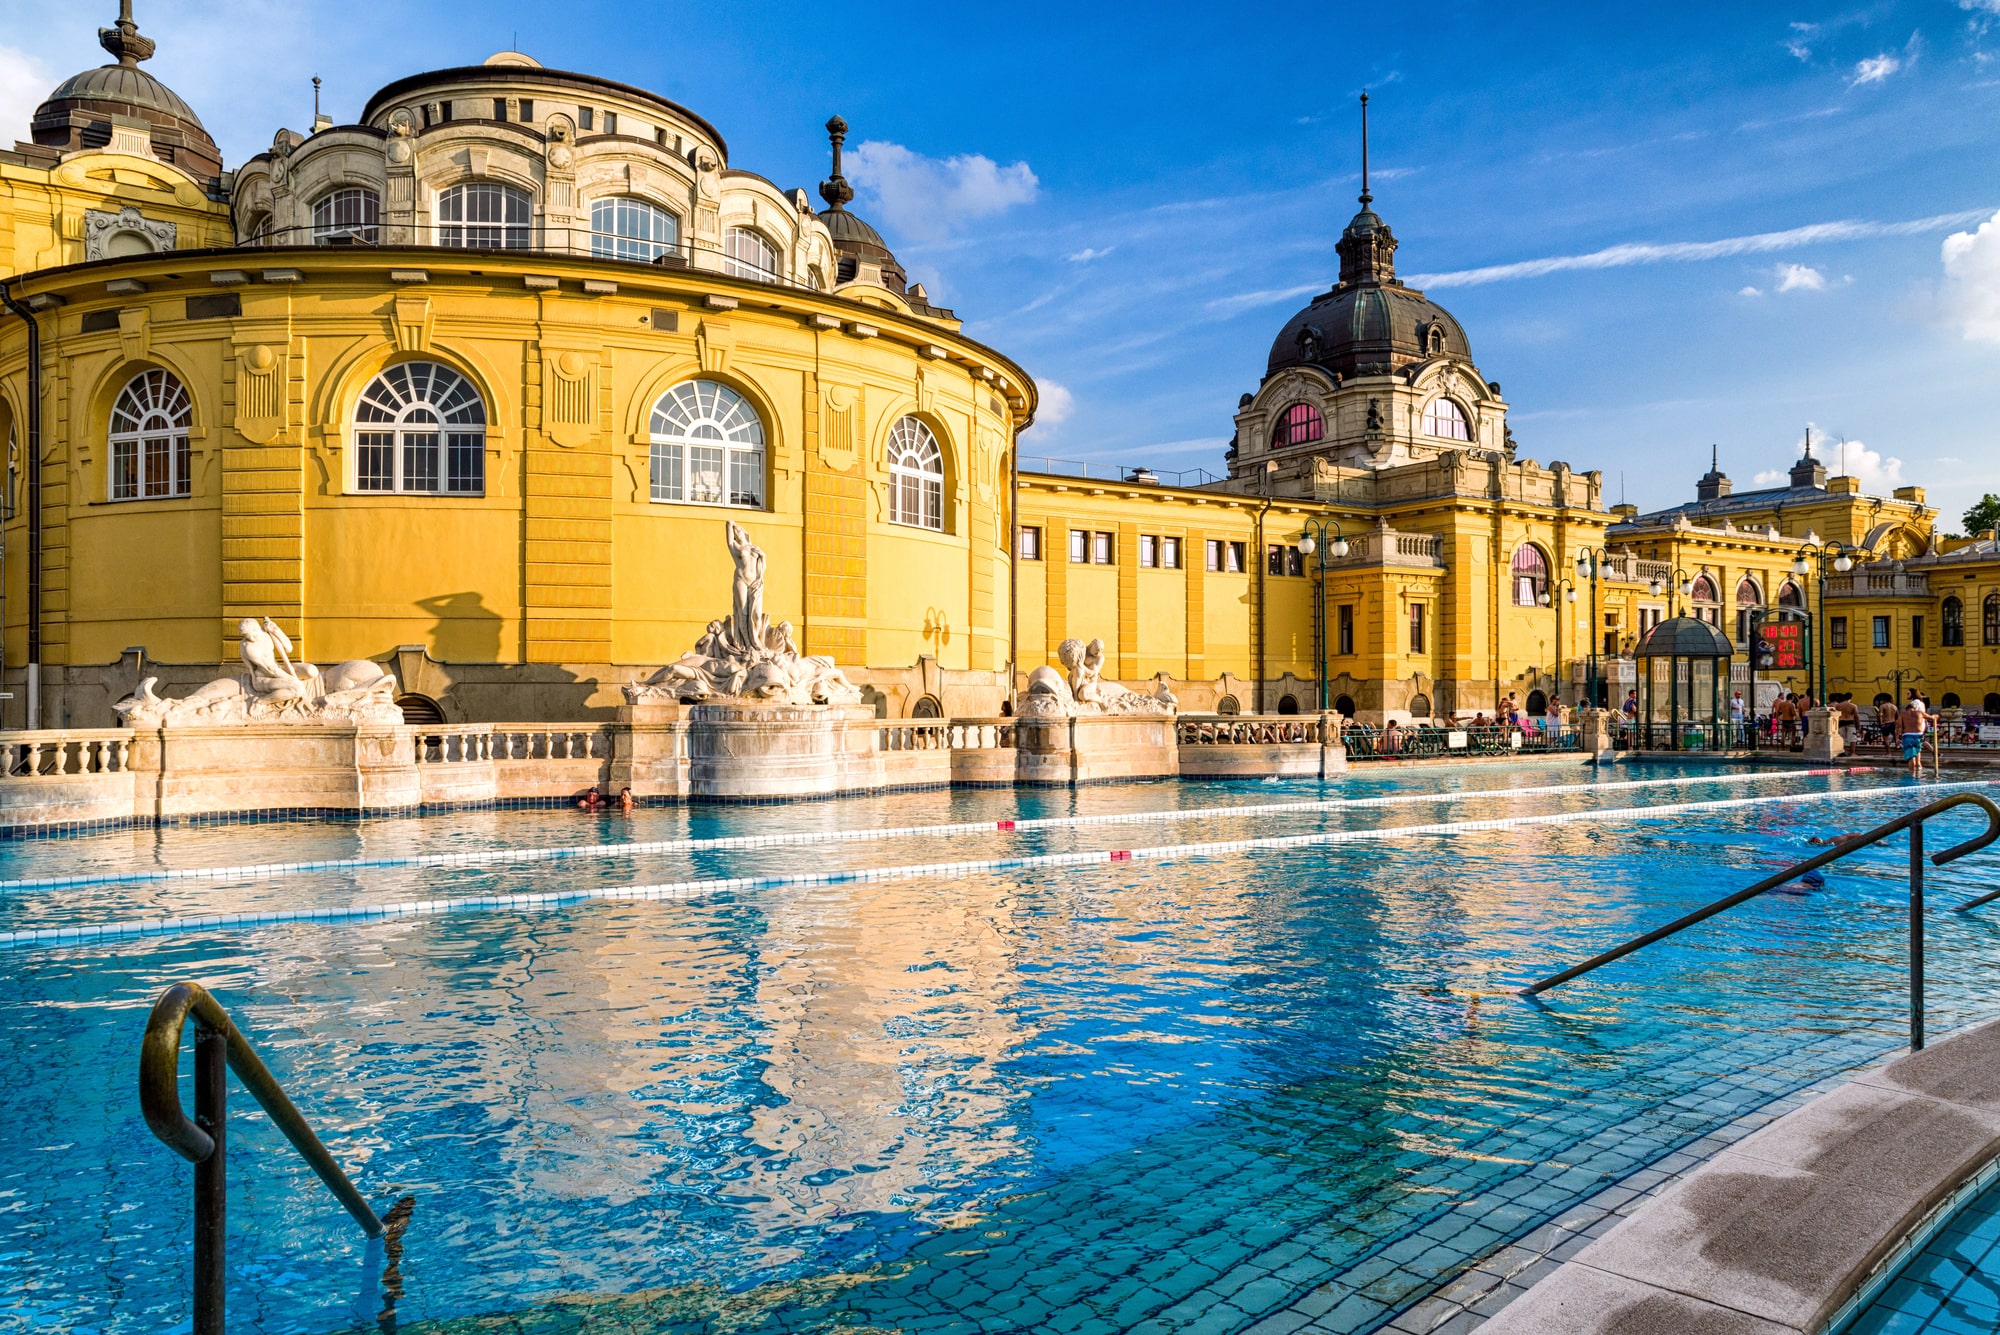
<point x="747" y="593"/>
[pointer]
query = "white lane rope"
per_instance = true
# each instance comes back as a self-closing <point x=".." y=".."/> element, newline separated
<point x="493" y="856"/>
<point x="687" y="890"/>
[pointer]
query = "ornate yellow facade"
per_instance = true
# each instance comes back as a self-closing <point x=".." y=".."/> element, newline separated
<point x="471" y="387"/>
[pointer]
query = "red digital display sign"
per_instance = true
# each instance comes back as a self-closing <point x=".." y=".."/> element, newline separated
<point x="1781" y="646"/>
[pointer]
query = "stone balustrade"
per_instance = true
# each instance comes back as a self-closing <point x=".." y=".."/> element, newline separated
<point x="1866" y="583"/>
<point x="62" y="752"/>
<point x="1255" y="730"/>
<point x="914" y="735"/>
<point x="982" y="734"/>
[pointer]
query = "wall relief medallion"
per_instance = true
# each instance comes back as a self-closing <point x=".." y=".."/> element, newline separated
<point x="126" y="232"/>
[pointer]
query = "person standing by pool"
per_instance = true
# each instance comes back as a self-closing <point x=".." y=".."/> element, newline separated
<point x="1787" y="713"/>
<point x="1850" y="719"/>
<point x="1910" y="723"/>
<point x="1736" y="717"/>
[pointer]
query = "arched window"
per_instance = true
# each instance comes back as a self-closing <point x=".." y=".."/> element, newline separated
<point x="483" y="215"/>
<point x="1344" y="706"/>
<point x="1538" y="703"/>
<point x="1989" y="620"/>
<point x="1951" y="700"/>
<point x="1791" y="595"/>
<point x="916" y="476"/>
<point x="420" y="427"/>
<point x="622" y="228"/>
<point x="257" y="230"/>
<point x="1288" y="704"/>
<point x="1707" y="599"/>
<point x="815" y="278"/>
<point x="1228" y="704"/>
<point x="351" y="213"/>
<point x="1951" y="629"/>
<point x="1748" y="599"/>
<point x="747" y="254"/>
<point x="708" y="447"/>
<point x="1299" y="424"/>
<point x="1991" y="705"/>
<point x="1420" y="706"/>
<point x="149" y="438"/>
<point x="1445" y="418"/>
<point x="927" y="706"/>
<point x="1531" y="575"/>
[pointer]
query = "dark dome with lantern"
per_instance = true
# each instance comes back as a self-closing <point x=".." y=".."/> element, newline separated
<point x="1369" y="324"/>
<point x="1685" y="637"/>
<point x="81" y="111"/>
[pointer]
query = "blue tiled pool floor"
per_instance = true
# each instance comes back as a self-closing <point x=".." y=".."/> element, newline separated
<point x="1953" y="1285"/>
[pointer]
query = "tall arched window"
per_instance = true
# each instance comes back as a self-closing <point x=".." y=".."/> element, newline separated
<point x="1989" y="620"/>
<point x="1445" y="418"/>
<point x="1531" y="575"/>
<point x="747" y="254"/>
<point x="1748" y="599"/>
<point x="351" y="213"/>
<point x="1707" y="600"/>
<point x="420" y="427"/>
<point x="483" y="215"/>
<point x="708" y="446"/>
<point x="622" y="228"/>
<point x="149" y="438"/>
<point x="1951" y="624"/>
<point x="1791" y="595"/>
<point x="1300" y="424"/>
<point x="916" y="476"/>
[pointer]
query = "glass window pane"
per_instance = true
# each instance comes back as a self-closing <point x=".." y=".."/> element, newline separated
<point x="420" y="461"/>
<point x="465" y="463"/>
<point x="666" y="471"/>
<point x="705" y="474"/>
<point x="375" y="462"/>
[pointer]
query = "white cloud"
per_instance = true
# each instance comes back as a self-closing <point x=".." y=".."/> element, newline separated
<point x="1875" y="69"/>
<point x="929" y="198"/>
<point x="1878" y="475"/>
<point x="1798" y="44"/>
<point x="1244" y="301"/>
<point x="23" y="85"/>
<point x="1749" y="291"/>
<point x="1800" y="278"/>
<point x="1089" y="253"/>
<point x="1972" y="281"/>
<point x="1055" y="405"/>
<point x="1980" y="6"/>
<point x="1644" y="252"/>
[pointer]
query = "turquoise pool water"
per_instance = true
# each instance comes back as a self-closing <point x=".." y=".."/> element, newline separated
<point x="1175" y="1093"/>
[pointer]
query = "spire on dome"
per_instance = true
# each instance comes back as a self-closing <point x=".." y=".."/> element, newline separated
<point x="835" y="190"/>
<point x="1367" y="249"/>
<point x="123" y="41"/>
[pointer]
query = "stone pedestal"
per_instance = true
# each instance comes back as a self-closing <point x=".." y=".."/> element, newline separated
<point x="1597" y="733"/>
<point x="1823" y="739"/>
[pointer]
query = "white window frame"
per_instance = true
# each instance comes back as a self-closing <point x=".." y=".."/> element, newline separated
<point x="150" y="420"/>
<point x="707" y="447"/>
<point x="510" y="229"/>
<point x="431" y="420"/>
<point x="654" y="231"/>
<point x="364" y="224"/>
<point x="748" y="253"/>
<point x="1455" y="426"/>
<point x="916" y="476"/>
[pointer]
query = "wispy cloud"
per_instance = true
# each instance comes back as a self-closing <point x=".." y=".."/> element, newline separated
<point x="1054" y="406"/>
<point x="1750" y="291"/>
<point x="1799" y="44"/>
<point x="1089" y="253"/>
<point x="929" y="198"/>
<point x="1879" y="68"/>
<point x="1682" y="252"/>
<point x="1243" y="301"/>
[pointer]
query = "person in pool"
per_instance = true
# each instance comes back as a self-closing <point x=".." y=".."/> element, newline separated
<point x="626" y="802"/>
<point x="1804" y="885"/>
<point x="592" y="800"/>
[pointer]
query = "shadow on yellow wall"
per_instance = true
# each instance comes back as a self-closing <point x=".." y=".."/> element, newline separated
<point x="466" y="630"/>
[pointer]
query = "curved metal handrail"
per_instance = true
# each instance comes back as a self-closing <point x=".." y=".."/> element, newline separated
<point x="1911" y="820"/>
<point x="159" y="1092"/>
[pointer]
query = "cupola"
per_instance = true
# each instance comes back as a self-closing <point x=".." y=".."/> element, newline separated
<point x="120" y="104"/>
<point x="858" y="246"/>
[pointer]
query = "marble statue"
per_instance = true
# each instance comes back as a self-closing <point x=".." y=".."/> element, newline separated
<point x="272" y="689"/>
<point x="746" y="657"/>
<point x="1084" y="691"/>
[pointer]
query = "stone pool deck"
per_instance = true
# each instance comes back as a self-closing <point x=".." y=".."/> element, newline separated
<point x="1777" y="1233"/>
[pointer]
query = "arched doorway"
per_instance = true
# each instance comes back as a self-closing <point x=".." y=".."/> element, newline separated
<point x="1420" y="706"/>
<point x="419" y="710"/>
<point x="1228" y="704"/>
<point x="1288" y="704"/>
<point x="1344" y="706"/>
<point x="927" y="706"/>
<point x="1538" y="703"/>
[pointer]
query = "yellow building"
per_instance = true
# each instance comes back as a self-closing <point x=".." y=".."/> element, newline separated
<point x="471" y="386"/>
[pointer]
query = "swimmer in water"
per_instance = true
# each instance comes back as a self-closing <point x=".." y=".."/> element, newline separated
<point x="1805" y="885"/>
<point x="1832" y="839"/>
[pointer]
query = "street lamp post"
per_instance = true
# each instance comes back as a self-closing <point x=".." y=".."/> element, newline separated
<point x="1315" y="539"/>
<point x="1841" y="557"/>
<point x="1683" y="584"/>
<point x="1589" y="561"/>
<point x="1562" y="596"/>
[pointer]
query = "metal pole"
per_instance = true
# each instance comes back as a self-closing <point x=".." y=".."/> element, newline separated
<point x="1917" y="936"/>
<point x="1590" y="673"/>
<point x="211" y="1199"/>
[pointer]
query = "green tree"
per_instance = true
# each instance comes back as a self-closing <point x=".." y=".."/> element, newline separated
<point x="1984" y="515"/>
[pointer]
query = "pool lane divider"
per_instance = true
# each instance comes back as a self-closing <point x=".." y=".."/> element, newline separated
<point x="492" y="856"/>
<point x="690" y="890"/>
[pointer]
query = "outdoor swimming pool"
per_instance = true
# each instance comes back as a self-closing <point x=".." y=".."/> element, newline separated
<point x="1092" y="1092"/>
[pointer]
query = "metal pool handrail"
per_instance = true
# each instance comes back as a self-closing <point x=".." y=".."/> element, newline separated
<point x="1913" y="821"/>
<point x="219" y="1047"/>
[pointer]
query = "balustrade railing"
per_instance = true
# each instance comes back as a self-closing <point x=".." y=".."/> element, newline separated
<point x="1251" y="730"/>
<point x="446" y="744"/>
<point x="913" y="735"/>
<point x="55" y="753"/>
<point x="981" y="734"/>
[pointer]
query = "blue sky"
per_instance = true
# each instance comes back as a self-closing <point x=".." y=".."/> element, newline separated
<point x="1703" y="224"/>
